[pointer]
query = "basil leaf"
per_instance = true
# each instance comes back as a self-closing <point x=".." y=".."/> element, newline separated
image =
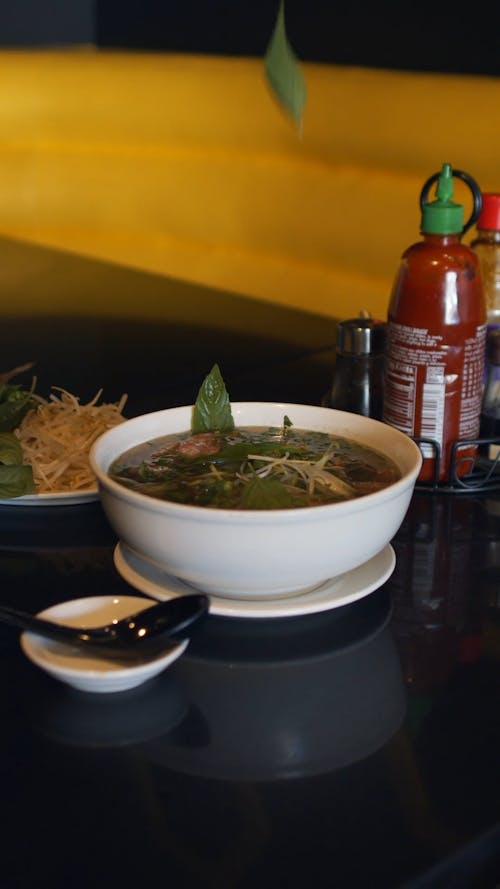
<point x="15" y="403"/>
<point x="16" y="481"/>
<point x="266" y="493"/>
<point x="212" y="409"/>
<point x="11" y="452"/>
<point x="283" y="71"/>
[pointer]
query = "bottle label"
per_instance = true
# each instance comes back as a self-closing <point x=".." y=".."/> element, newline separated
<point x="433" y="388"/>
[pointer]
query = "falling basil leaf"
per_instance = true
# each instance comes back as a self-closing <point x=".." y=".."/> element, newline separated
<point x="212" y="409"/>
<point x="283" y="71"/>
<point x="16" y="481"/>
<point x="266" y="493"/>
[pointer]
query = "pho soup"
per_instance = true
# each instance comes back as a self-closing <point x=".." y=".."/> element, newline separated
<point x="254" y="468"/>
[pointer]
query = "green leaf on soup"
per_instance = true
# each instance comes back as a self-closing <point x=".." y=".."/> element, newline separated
<point x="212" y="409"/>
<point x="238" y="452"/>
<point x="11" y="452"/>
<point x="16" y="481"/>
<point x="266" y="493"/>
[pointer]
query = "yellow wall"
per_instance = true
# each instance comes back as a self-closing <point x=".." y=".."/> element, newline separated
<point x="185" y="165"/>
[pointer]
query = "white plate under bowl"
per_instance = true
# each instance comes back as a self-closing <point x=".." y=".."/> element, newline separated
<point x="63" y="498"/>
<point x="82" y="670"/>
<point x="150" y="579"/>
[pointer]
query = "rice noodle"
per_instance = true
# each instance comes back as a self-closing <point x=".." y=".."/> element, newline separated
<point x="57" y="435"/>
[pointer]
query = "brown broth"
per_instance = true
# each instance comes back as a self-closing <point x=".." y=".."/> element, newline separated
<point x="254" y="468"/>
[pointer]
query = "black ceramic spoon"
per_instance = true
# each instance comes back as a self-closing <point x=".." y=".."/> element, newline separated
<point x="146" y="632"/>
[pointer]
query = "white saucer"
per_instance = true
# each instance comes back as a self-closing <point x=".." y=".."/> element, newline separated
<point x="149" y="578"/>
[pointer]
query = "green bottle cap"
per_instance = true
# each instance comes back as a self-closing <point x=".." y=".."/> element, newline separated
<point x="442" y="216"/>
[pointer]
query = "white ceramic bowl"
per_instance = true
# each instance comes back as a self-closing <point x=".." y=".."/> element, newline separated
<point x="261" y="553"/>
<point x="80" y="669"/>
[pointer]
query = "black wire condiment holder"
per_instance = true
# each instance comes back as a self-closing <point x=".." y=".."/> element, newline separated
<point x="468" y="473"/>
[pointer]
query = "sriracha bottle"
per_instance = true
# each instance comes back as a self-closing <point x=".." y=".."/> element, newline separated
<point x="436" y="336"/>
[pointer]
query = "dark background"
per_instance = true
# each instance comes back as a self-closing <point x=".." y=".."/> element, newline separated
<point x="397" y="34"/>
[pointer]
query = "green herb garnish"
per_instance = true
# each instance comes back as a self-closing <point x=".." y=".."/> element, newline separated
<point x="212" y="409"/>
<point x="15" y="479"/>
<point x="266" y="493"/>
<point x="15" y="402"/>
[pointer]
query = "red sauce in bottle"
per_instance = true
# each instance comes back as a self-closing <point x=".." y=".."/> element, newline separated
<point x="436" y="341"/>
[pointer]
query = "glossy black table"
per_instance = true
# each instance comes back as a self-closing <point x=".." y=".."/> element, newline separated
<point x="354" y="748"/>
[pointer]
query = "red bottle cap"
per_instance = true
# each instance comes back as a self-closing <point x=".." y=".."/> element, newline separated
<point x="489" y="217"/>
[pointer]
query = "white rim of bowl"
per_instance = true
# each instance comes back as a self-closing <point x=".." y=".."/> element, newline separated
<point x="269" y="516"/>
